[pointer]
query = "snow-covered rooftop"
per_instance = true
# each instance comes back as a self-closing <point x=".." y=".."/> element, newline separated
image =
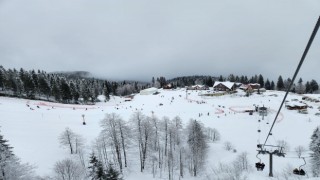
<point x="228" y="84"/>
<point x="294" y="103"/>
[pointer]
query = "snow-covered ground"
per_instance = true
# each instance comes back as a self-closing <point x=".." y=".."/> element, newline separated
<point x="33" y="131"/>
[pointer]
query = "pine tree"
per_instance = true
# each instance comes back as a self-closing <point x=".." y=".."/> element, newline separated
<point x="44" y="86"/>
<point x="237" y="79"/>
<point x="35" y="80"/>
<point x="74" y="92"/>
<point x="231" y="78"/>
<point x="267" y="85"/>
<point x="55" y="90"/>
<point x="272" y="85"/>
<point x="2" y="77"/>
<point x="308" y="87"/>
<point x="261" y="81"/>
<point x="242" y="80"/>
<point x="314" y="85"/>
<point x="112" y="174"/>
<point x="65" y="91"/>
<point x="300" y="87"/>
<point x="5" y="155"/>
<point x="152" y="82"/>
<point x="100" y="173"/>
<point x="280" y="84"/>
<point x="315" y="148"/>
<point x="96" y="170"/>
<point x="209" y="82"/>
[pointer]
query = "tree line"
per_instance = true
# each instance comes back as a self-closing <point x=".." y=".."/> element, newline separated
<point x="281" y="84"/>
<point x="66" y="88"/>
<point x="59" y="87"/>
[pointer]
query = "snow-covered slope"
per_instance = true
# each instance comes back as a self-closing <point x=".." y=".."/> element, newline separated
<point x="33" y="127"/>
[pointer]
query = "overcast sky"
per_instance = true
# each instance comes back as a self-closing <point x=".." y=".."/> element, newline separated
<point x="138" y="39"/>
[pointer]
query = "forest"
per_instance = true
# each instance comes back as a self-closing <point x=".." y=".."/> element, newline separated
<point x="77" y="89"/>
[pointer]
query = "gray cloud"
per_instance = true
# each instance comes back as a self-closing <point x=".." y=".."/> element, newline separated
<point x="138" y="39"/>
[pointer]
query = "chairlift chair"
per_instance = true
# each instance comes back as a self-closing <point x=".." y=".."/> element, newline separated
<point x="259" y="165"/>
<point x="300" y="171"/>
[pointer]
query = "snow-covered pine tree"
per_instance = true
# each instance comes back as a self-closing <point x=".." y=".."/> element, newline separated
<point x="112" y="174"/>
<point x="10" y="165"/>
<point x="315" y="148"/>
<point x="93" y="166"/>
<point x="96" y="170"/>
<point x="300" y="89"/>
<point x="5" y="154"/>
<point x="2" y="78"/>
<point x="100" y="172"/>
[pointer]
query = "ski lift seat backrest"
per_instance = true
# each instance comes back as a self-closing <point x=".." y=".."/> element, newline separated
<point x="260" y="166"/>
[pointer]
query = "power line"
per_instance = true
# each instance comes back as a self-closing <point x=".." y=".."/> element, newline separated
<point x="315" y="30"/>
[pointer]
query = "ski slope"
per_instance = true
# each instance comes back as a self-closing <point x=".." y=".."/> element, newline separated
<point x="33" y="127"/>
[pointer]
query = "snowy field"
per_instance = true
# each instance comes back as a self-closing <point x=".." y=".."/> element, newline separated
<point x="33" y="131"/>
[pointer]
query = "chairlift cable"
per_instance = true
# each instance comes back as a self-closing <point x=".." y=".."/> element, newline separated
<point x="298" y="157"/>
<point x="315" y="30"/>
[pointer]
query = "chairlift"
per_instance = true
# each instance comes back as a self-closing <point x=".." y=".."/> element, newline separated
<point x="259" y="165"/>
<point x="300" y="171"/>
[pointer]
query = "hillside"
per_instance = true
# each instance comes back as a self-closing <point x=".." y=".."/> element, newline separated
<point x="33" y="127"/>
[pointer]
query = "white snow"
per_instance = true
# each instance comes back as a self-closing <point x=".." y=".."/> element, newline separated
<point x="148" y="91"/>
<point x="34" y="133"/>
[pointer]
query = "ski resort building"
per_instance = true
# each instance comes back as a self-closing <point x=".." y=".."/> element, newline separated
<point x="149" y="91"/>
<point x="198" y="87"/>
<point x="296" y="106"/>
<point x="224" y="86"/>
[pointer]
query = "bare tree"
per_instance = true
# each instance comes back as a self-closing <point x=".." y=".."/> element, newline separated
<point x="242" y="162"/>
<point x="68" y="169"/>
<point x="299" y="150"/>
<point x="178" y="128"/>
<point x="212" y="134"/>
<point x="66" y="139"/>
<point x="79" y="143"/>
<point x="125" y="135"/>
<point x="156" y="145"/>
<point x="143" y="127"/>
<point x="228" y="146"/>
<point x="165" y="121"/>
<point x="283" y="145"/>
<point x="101" y="147"/>
<point x="197" y="146"/>
<point x="111" y="130"/>
<point x="71" y="140"/>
